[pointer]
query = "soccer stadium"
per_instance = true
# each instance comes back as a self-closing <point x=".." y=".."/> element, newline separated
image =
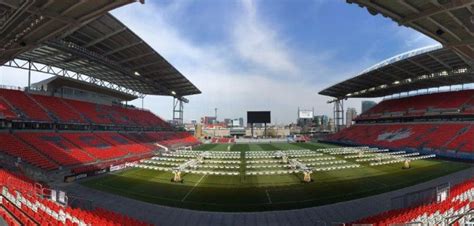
<point x="74" y="151"/>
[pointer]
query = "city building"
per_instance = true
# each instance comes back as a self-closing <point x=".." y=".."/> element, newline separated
<point x="351" y="114"/>
<point x="367" y="104"/>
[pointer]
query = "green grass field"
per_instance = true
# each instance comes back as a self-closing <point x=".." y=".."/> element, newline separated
<point x="275" y="192"/>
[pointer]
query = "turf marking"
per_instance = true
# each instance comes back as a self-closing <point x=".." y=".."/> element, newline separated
<point x="268" y="196"/>
<point x="192" y="189"/>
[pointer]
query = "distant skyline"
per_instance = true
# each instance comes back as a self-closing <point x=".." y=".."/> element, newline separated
<point x="259" y="55"/>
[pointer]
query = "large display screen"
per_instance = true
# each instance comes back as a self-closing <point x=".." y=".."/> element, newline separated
<point x="305" y="114"/>
<point x="258" y="117"/>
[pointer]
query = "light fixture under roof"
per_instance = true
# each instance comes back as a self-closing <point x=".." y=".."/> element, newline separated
<point x="136" y="73"/>
<point x="173" y="92"/>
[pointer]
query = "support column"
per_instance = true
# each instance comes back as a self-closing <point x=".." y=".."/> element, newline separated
<point x="338" y="112"/>
<point x="29" y="75"/>
<point x="178" y="110"/>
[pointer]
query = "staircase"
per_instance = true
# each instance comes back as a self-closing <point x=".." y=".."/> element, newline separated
<point x="37" y="151"/>
<point x="54" y="117"/>
<point x="76" y="111"/>
<point x="460" y="133"/>
<point x="19" y="113"/>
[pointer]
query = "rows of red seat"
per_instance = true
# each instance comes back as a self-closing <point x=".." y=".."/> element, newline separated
<point x="8" y="218"/>
<point x="463" y="141"/>
<point x="49" y="150"/>
<point x="6" y="111"/>
<point x="62" y="111"/>
<point x="95" y="146"/>
<point x="124" y="143"/>
<point x="25" y="104"/>
<point x="12" y="146"/>
<point x="440" y="136"/>
<point x="176" y="139"/>
<point x="104" y="114"/>
<point x="17" y="212"/>
<point x="35" y="107"/>
<point x="457" y="102"/>
<point x="29" y="208"/>
<point x="90" y="111"/>
<point x="56" y="148"/>
<point x="457" y="203"/>
<point x="142" y="117"/>
<point x="164" y="138"/>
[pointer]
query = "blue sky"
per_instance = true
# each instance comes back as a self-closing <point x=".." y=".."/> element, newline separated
<point x="261" y="55"/>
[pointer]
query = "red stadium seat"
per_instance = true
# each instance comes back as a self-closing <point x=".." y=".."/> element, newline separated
<point x="57" y="148"/>
<point x="458" y="202"/>
<point x="457" y="102"/>
<point x="19" y="200"/>
<point x="17" y="148"/>
<point x="437" y="135"/>
<point x="21" y="101"/>
<point x="59" y="108"/>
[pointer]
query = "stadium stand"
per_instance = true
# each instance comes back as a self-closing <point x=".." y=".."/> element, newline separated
<point x="14" y="147"/>
<point x="22" y="204"/>
<point x="445" y="103"/>
<point x="85" y="151"/>
<point x="61" y="111"/>
<point x="91" y="111"/>
<point x="171" y="139"/>
<point x="95" y="146"/>
<point x="123" y="143"/>
<point x="56" y="148"/>
<point x="142" y="117"/>
<point x="28" y="108"/>
<point x="457" y="203"/>
<point x="35" y="107"/>
<point x="448" y="137"/>
<point x="6" y="112"/>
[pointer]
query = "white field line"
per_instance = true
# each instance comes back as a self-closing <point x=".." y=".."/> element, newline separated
<point x="192" y="189"/>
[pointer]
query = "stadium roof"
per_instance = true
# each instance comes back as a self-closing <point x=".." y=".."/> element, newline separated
<point x="428" y="67"/>
<point x="449" y="22"/>
<point x="58" y="82"/>
<point x="82" y="37"/>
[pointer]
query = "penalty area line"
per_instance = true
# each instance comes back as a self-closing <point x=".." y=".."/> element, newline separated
<point x="192" y="189"/>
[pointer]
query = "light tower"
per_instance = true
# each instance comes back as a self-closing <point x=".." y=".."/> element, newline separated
<point x="215" y="113"/>
<point x="215" y="122"/>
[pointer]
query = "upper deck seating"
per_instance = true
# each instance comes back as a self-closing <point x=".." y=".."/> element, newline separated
<point x="29" y="108"/>
<point x="59" y="108"/>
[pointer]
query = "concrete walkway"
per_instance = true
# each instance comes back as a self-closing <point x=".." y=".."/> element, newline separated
<point x="321" y="215"/>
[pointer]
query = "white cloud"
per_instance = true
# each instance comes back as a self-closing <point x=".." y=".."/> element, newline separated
<point x="213" y="68"/>
<point x="261" y="44"/>
<point x="412" y="39"/>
